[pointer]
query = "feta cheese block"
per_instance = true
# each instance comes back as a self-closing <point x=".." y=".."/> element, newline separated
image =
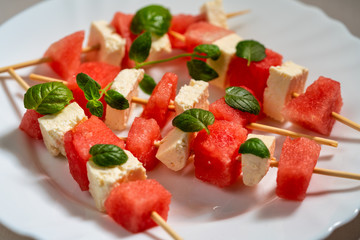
<point x="194" y="95"/>
<point x="254" y="168"/>
<point x="112" y="46"/>
<point x="174" y="149"/>
<point x="126" y="83"/>
<point x="103" y="179"/>
<point x="227" y="47"/>
<point x="282" y="82"/>
<point x="214" y="13"/>
<point x="54" y="126"/>
<point x="159" y="46"/>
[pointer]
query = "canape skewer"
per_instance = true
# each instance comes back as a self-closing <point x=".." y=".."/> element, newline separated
<point x="255" y="126"/>
<point x="154" y="215"/>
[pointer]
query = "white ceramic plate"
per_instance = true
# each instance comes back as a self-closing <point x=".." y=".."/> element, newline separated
<point x="40" y="199"/>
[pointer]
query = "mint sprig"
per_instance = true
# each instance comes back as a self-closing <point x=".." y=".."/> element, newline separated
<point x="256" y="147"/>
<point x="47" y="98"/>
<point x="107" y="155"/>
<point x="251" y="50"/>
<point x="93" y="93"/>
<point x="198" y="70"/>
<point x="241" y="99"/>
<point x="194" y="120"/>
<point x="153" y="18"/>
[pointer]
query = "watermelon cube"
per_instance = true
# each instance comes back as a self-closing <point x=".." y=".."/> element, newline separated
<point x="30" y="124"/>
<point x="312" y="110"/>
<point x="131" y="204"/>
<point x="65" y="54"/>
<point x="296" y="165"/>
<point x="78" y="142"/>
<point x="216" y="153"/>
<point x="140" y="141"/>
<point x="253" y="76"/>
<point x="222" y="111"/>
<point x="122" y="22"/>
<point x="203" y="33"/>
<point x="102" y="73"/>
<point x="157" y="106"/>
<point x="179" y="24"/>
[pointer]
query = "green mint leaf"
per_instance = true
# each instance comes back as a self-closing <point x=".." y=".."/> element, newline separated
<point x="251" y="50"/>
<point x="89" y="86"/>
<point x="107" y="155"/>
<point x="147" y="84"/>
<point x="116" y="100"/>
<point x="95" y="107"/>
<point x="140" y="48"/>
<point x="153" y="18"/>
<point x="194" y="120"/>
<point x="241" y="99"/>
<point x="47" y="98"/>
<point x="82" y="79"/>
<point x="200" y="70"/>
<point x="211" y="51"/>
<point x="256" y="147"/>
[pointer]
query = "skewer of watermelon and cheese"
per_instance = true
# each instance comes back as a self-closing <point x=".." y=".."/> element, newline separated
<point x="250" y="125"/>
<point x="297" y="163"/>
<point x="99" y="180"/>
<point x="323" y="100"/>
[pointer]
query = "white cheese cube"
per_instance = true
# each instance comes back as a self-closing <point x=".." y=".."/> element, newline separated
<point x="112" y="46"/>
<point x="227" y="47"/>
<point x="194" y="95"/>
<point x="282" y="82"/>
<point x="254" y="168"/>
<point x="126" y="83"/>
<point x="215" y="13"/>
<point x="103" y="179"/>
<point x="159" y="46"/>
<point x="174" y="149"/>
<point x="54" y="126"/>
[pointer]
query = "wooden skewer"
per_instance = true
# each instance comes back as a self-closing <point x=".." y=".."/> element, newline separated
<point x="19" y="79"/>
<point x="41" y="60"/>
<point x="339" y="117"/>
<point x="238" y="13"/>
<point x="284" y="132"/>
<point x="41" y="78"/>
<point x="327" y="172"/>
<point x="161" y="222"/>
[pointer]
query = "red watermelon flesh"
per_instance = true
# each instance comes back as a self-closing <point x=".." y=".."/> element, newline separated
<point x="222" y="111"/>
<point x="157" y="106"/>
<point x="179" y="24"/>
<point x="101" y="72"/>
<point x="254" y="76"/>
<point x="215" y="153"/>
<point x="140" y="141"/>
<point x="297" y="162"/>
<point x="131" y="204"/>
<point x="78" y="142"/>
<point x="122" y="22"/>
<point x="203" y="33"/>
<point x="65" y="54"/>
<point x="30" y="124"/>
<point x="312" y="110"/>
